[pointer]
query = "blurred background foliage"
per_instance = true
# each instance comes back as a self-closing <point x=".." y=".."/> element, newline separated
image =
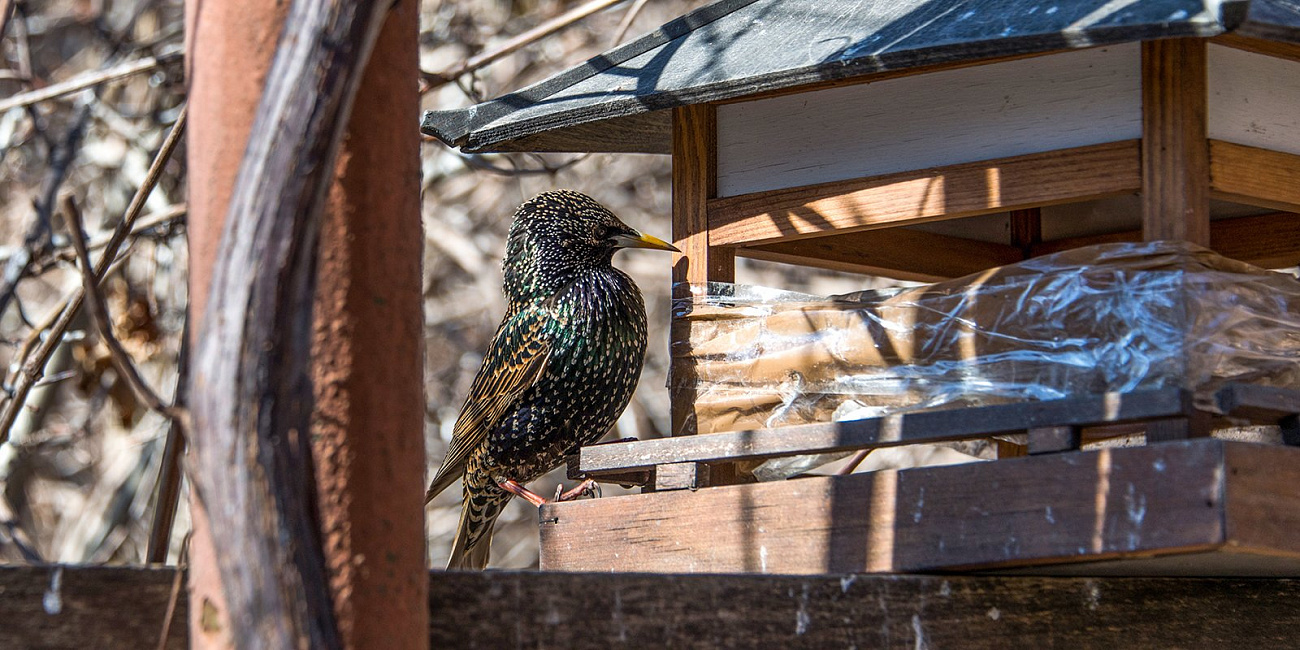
<point x="80" y="468"/>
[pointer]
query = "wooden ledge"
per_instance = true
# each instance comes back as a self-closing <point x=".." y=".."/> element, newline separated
<point x="950" y="192"/>
<point x="1233" y="504"/>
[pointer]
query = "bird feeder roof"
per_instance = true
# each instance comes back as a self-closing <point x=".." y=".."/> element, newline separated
<point x="618" y="101"/>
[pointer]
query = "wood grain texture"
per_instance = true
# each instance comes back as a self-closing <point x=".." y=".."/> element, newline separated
<point x="890" y="252"/>
<point x="78" y="607"/>
<point x="1254" y="176"/>
<point x="942" y="193"/>
<point x="1175" y="157"/>
<point x="1069" y="507"/>
<point x="999" y="110"/>
<point x="694" y="177"/>
<point x="1279" y="49"/>
<point x="123" y="608"/>
<point x="564" y="610"/>
<point x="1262" y="515"/>
<point x="1270" y="241"/>
<point x="1253" y="99"/>
<point x="900" y="429"/>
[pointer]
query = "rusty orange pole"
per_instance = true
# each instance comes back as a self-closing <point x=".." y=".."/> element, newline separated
<point x="367" y="342"/>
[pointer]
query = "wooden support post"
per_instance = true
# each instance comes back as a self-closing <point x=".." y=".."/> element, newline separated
<point x="367" y="327"/>
<point x="1026" y="229"/>
<point x="694" y="181"/>
<point x="1175" y="152"/>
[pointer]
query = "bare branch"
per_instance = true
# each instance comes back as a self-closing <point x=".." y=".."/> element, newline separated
<point x="34" y="367"/>
<point x="436" y="79"/>
<point x="103" y="324"/>
<point x="626" y="23"/>
<point x="90" y="79"/>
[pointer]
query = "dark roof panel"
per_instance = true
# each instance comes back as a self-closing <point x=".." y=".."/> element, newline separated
<point x="733" y="48"/>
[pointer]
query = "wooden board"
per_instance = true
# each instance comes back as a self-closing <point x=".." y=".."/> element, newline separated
<point x="550" y="610"/>
<point x="893" y="430"/>
<point x="1270" y="241"/>
<point x="891" y="252"/>
<point x="932" y="194"/>
<point x="1175" y="158"/>
<point x="1255" y="176"/>
<point x="1253" y="99"/>
<point x="1059" y="508"/>
<point x="531" y="609"/>
<point x="88" y="607"/>
<point x="999" y="110"/>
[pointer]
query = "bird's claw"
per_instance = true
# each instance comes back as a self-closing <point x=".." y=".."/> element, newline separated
<point x="587" y="488"/>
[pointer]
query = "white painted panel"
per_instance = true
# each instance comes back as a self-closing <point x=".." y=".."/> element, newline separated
<point x="991" y="111"/>
<point x="1254" y="99"/>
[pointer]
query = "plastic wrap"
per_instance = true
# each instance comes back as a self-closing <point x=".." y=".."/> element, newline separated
<point x="1116" y="317"/>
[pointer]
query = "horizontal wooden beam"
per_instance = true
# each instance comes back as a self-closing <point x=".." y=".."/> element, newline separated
<point x="1193" y="507"/>
<point x="1279" y="49"/>
<point x="950" y="192"/>
<point x="123" y="607"/>
<point x="1254" y="176"/>
<point x="1270" y="241"/>
<point x="891" y="430"/>
<point x="899" y="253"/>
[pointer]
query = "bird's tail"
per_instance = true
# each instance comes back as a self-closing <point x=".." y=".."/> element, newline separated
<point x="473" y="542"/>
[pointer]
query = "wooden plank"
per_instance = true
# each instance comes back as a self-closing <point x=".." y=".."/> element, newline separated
<point x="1270" y="241"/>
<point x="694" y="182"/>
<point x="89" y="607"/>
<point x="1264" y="404"/>
<point x="1254" y="176"/>
<point x="1175" y="165"/>
<point x="1279" y="49"/>
<point x="120" y="607"/>
<point x="1262" y="516"/>
<point x="891" y="252"/>
<point x="564" y="610"/>
<point x="1059" y="101"/>
<point x="1253" y="99"/>
<point x="950" y="192"/>
<point x="893" y="430"/>
<point x="1070" y="507"/>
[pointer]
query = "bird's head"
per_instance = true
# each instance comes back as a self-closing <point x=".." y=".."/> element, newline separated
<point x="558" y="233"/>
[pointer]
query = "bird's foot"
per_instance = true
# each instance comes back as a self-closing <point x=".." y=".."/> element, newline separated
<point x="587" y="488"/>
<point x="513" y="487"/>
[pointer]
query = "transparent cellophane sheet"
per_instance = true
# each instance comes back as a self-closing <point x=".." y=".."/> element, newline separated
<point x="1115" y="317"/>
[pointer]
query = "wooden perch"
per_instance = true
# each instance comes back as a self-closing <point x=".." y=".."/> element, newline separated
<point x="252" y="397"/>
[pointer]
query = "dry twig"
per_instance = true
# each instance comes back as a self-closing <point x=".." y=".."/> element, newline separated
<point x="182" y="563"/>
<point x="104" y="325"/>
<point x="89" y="79"/>
<point x="34" y="367"/>
<point x="436" y="79"/>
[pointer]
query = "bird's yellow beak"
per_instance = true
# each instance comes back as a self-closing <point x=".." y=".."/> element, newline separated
<point x="637" y="240"/>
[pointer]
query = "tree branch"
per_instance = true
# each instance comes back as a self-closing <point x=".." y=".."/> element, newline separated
<point x="252" y="397"/>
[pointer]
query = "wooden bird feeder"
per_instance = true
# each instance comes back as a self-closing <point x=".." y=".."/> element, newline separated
<point x="926" y="140"/>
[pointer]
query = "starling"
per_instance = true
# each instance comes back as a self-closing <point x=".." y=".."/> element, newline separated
<point x="561" y="366"/>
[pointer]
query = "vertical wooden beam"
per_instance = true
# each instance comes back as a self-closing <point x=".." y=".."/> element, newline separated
<point x="1175" y="152"/>
<point x="694" y="179"/>
<point x="695" y="175"/>
<point x="1026" y="229"/>
<point x="368" y="357"/>
<point x="229" y="47"/>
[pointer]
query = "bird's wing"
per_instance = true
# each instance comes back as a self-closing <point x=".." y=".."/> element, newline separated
<point x="514" y="361"/>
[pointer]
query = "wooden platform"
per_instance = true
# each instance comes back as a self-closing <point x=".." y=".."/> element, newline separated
<point x="1234" y="505"/>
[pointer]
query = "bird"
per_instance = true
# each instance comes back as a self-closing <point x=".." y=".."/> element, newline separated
<point x="561" y="367"/>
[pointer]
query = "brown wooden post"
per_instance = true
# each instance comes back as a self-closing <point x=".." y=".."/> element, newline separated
<point x="1175" y="152"/>
<point x="367" y="343"/>
<point x="694" y="181"/>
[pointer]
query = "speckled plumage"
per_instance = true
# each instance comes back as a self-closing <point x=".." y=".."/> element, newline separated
<point x="561" y="367"/>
